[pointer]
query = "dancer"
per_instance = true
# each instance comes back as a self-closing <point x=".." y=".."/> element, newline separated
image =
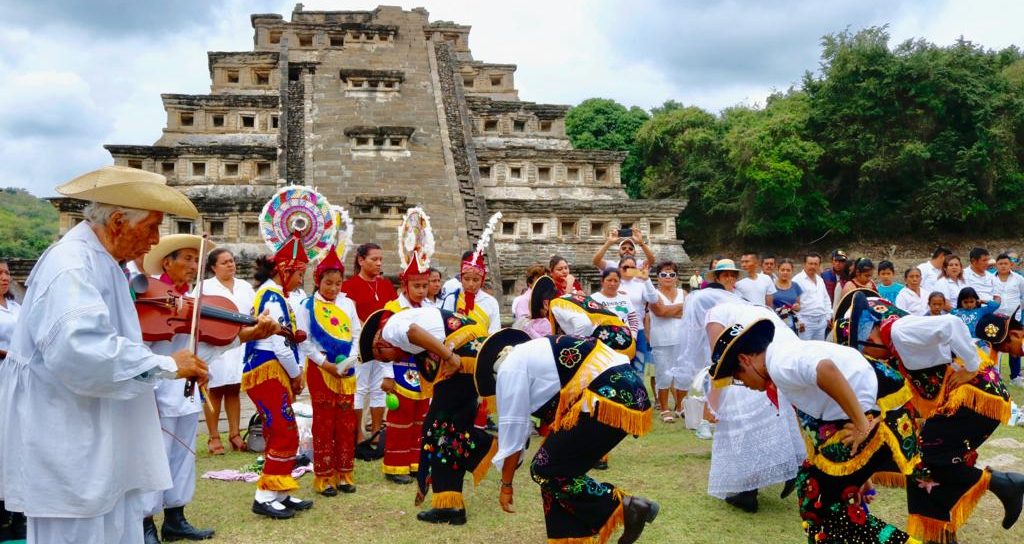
<point x="590" y="398"/>
<point x="854" y="417"/>
<point x="579" y="315"/>
<point x="444" y="346"/>
<point x="961" y="400"/>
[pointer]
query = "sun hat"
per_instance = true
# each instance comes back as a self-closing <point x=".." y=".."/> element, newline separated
<point x="734" y="340"/>
<point x="131" y="188"/>
<point x="485" y="376"/>
<point x="153" y="262"/>
<point x="723" y="265"/>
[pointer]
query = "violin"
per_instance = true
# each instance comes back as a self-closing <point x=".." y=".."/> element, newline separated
<point x="163" y="313"/>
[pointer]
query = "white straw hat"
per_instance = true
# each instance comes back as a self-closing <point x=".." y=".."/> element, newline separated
<point x="152" y="264"/>
<point x="131" y="188"/>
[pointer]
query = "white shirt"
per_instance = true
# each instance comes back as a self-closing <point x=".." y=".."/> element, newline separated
<point x="928" y="275"/>
<point x="927" y="341"/>
<point x="227" y="368"/>
<point x="641" y="292"/>
<point x="731" y="313"/>
<point x="911" y="302"/>
<point x="276" y="343"/>
<point x="573" y="322"/>
<point x="311" y="348"/>
<point x="1011" y="293"/>
<point x="756" y="289"/>
<point x="983" y="283"/>
<point x="8" y="317"/>
<point x="694" y="350"/>
<point x="170" y="394"/>
<point x="485" y="301"/>
<point x="665" y="330"/>
<point x="526" y="380"/>
<point x="450" y="286"/>
<point x="815" y="303"/>
<point x="621" y="306"/>
<point x="396" y="330"/>
<point x="77" y="407"/>
<point x="949" y="287"/>
<point x="793" y="367"/>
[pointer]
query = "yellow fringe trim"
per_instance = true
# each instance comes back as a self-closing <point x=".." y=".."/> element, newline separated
<point x="346" y="385"/>
<point x="485" y="464"/>
<point x="407" y="393"/>
<point x="269" y="370"/>
<point x="890" y="479"/>
<point x="274" y="482"/>
<point x="614" y="521"/>
<point x="321" y="483"/>
<point x="634" y="422"/>
<point x="896" y="400"/>
<point x="567" y="413"/>
<point x="972" y="398"/>
<point x="447" y="499"/>
<point x="883" y="436"/>
<point x="397" y="471"/>
<point x="492" y="404"/>
<point x="344" y="478"/>
<point x="415" y="467"/>
<point x="930" y="529"/>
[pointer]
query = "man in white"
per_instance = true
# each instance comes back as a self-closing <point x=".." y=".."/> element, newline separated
<point x="81" y="444"/>
<point x="754" y="287"/>
<point x="815" y="306"/>
<point x="1010" y="288"/>
<point x="977" y="276"/>
<point x="931" y="269"/>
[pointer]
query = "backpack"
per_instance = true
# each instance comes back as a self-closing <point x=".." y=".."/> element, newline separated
<point x="366" y="451"/>
<point x="253" y="435"/>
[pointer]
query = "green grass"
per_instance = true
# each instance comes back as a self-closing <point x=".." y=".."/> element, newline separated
<point x="669" y="465"/>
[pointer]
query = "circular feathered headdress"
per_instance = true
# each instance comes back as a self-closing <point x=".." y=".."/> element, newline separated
<point x="415" y="244"/>
<point x="297" y="224"/>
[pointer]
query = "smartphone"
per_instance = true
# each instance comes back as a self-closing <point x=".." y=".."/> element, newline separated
<point x="625" y="233"/>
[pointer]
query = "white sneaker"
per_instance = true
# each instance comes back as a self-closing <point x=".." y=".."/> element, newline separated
<point x="703" y="431"/>
<point x="1018" y="381"/>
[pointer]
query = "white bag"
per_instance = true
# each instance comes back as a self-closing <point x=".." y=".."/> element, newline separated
<point x="693" y="404"/>
<point x="304" y="421"/>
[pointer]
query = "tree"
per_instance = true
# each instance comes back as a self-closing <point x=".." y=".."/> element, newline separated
<point x="28" y="225"/>
<point x="601" y="123"/>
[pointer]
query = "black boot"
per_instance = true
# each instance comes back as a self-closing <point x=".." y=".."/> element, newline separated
<point x="746" y="501"/>
<point x="176" y="527"/>
<point x="18" y="526"/>
<point x="788" y="488"/>
<point x="1009" y="487"/>
<point x="399" y="478"/>
<point x="636" y="513"/>
<point x="149" y="533"/>
<point x="450" y="516"/>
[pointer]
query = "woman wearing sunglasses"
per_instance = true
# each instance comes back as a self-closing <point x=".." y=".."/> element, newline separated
<point x="666" y="320"/>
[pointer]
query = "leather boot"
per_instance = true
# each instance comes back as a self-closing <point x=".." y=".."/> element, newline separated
<point x="176" y="527"/>
<point x="149" y="533"/>
<point x="451" y="516"/>
<point x="746" y="501"/>
<point x="636" y="512"/>
<point x="1009" y="487"/>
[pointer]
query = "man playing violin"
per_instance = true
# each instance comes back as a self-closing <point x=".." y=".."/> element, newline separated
<point x="80" y="442"/>
<point x="175" y="262"/>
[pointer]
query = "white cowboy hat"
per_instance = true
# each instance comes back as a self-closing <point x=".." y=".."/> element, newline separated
<point x="131" y="188"/>
<point x="152" y="264"/>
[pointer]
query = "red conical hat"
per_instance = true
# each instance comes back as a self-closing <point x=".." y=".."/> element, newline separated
<point x="331" y="261"/>
<point x="292" y="252"/>
<point x="416" y="270"/>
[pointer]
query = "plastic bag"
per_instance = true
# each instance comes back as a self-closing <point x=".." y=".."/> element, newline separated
<point x="304" y="421"/>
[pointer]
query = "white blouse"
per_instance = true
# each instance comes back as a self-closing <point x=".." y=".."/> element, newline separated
<point x="227" y="368"/>
<point x="911" y="302"/>
<point x="8" y="317"/>
<point x="793" y="367"/>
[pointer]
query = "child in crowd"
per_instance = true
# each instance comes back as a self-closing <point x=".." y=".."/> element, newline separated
<point x="970" y="309"/>
<point x="888" y="287"/>
<point x="936" y="303"/>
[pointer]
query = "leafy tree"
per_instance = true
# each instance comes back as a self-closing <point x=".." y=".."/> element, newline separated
<point x="28" y="225"/>
<point x="602" y="123"/>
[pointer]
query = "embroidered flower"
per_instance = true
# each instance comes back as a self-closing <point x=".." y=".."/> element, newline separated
<point x="570" y="357"/>
<point x="991" y="330"/>
<point x="857" y="514"/>
<point x="905" y="425"/>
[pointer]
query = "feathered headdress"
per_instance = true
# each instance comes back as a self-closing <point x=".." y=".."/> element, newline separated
<point x="415" y="244"/>
<point x="297" y="225"/>
<point x="475" y="262"/>
<point x="334" y="258"/>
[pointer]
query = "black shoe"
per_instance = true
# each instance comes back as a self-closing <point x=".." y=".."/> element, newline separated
<point x="636" y="513"/>
<point x="329" y="491"/>
<point x="296" y="503"/>
<point x="787" y="488"/>
<point x="601" y="465"/>
<point x="746" y="501"/>
<point x="402" y="479"/>
<point x="267" y="509"/>
<point x="450" y="516"/>
<point x="176" y="527"/>
<point x="16" y="528"/>
<point x="149" y="534"/>
<point x="1009" y="487"/>
<point x="346" y="488"/>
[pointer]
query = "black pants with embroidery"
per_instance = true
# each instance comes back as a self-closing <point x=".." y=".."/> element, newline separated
<point x="575" y="505"/>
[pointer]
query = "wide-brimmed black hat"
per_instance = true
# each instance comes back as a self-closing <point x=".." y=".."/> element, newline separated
<point x="485" y="374"/>
<point x="753" y="338"/>
<point x="369" y="332"/>
<point x="843" y="308"/>
<point x="543" y="289"/>
<point x="994" y="328"/>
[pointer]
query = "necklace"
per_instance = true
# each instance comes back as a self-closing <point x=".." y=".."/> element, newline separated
<point x="373" y="286"/>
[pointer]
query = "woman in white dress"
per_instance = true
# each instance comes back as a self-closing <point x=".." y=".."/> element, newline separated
<point x="666" y="324"/>
<point x="226" y="370"/>
<point x="13" y="523"/>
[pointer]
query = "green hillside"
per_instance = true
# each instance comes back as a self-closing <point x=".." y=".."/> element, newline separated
<point x="27" y="224"/>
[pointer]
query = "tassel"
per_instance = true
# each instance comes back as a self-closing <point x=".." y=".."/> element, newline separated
<point x="344" y="478"/>
<point x="447" y="499"/>
<point x="634" y="422"/>
<point x="615" y="520"/>
<point x="930" y="529"/>
<point x="890" y="479"/>
<point x="269" y="370"/>
<point x="321" y="483"/>
<point x="277" y="482"/>
<point x="485" y="464"/>
<point x="882" y="436"/>
<point x="972" y="398"/>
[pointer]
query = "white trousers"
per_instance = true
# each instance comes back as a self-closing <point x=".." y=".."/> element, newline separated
<point x="122" y="525"/>
<point x="664" y="364"/>
<point x="182" y="463"/>
<point x="369" y="377"/>
<point x="814" y="328"/>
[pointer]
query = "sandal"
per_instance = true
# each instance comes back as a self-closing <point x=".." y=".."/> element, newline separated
<point x="667" y="416"/>
<point x="237" y="444"/>
<point x="214" y="446"/>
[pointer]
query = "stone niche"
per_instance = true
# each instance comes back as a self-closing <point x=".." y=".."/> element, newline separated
<point x="386" y="141"/>
<point x="375" y="84"/>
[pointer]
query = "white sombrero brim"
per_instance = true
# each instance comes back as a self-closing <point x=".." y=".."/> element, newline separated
<point x="131" y="188"/>
<point x="152" y="264"/>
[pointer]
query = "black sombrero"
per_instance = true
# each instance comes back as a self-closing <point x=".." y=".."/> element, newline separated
<point x="543" y="289"/>
<point x="753" y="338"/>
<point x="370" y="328"/>
<point x="993" y="328"/>
<point x="485" y="374"/>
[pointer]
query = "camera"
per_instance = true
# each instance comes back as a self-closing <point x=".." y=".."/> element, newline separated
<point x="625" y="233"/>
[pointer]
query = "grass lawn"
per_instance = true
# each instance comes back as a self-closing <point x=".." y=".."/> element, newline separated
<point x="669" y="465"/>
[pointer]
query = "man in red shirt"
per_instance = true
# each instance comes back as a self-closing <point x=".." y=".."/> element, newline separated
<point x="370" y="291"/>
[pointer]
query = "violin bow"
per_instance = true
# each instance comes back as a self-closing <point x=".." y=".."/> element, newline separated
<point x="190" y="385"/>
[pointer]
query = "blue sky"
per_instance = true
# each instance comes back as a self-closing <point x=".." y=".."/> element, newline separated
<point x="79" y="74"/>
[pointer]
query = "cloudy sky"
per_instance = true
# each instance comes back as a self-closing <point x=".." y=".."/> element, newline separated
<point x="77" y="74"/>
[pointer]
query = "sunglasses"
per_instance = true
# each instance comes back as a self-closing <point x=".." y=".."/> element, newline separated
<point x="627" y="267"/>
<point x="666" y="274"/>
